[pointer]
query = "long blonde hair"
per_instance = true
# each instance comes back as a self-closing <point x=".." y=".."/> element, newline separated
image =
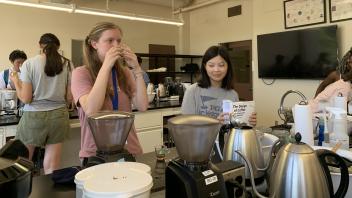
<point x="92" y="61"/>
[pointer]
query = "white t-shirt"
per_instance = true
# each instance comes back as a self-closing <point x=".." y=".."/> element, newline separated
<point x="48" y="92"/>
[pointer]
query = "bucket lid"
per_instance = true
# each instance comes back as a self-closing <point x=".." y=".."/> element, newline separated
<point x="135" y="165"/>
<point x="87" y="173"/>
<point x="111" y="182"/>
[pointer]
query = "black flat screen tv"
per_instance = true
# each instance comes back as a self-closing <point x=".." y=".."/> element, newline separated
<point x="300" y="54"/>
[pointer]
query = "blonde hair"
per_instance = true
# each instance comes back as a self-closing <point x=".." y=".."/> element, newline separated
<point x="92" y="61"/>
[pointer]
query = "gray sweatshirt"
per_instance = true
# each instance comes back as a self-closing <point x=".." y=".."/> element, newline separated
<point x="206" y="101"/>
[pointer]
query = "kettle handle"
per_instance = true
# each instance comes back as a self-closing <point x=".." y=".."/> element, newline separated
<point x="224" y="129"/>
<point x="344" y="181"/>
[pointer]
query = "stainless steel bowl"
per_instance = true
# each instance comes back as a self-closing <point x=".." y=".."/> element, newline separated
<point x="194" y="136"/>
<point x="110" y="129"/>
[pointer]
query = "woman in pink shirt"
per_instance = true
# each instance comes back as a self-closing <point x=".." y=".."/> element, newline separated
<point x="341" y="85"/>
<point x="92" y="84"/>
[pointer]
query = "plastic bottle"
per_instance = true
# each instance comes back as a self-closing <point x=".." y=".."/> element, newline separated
<point x="321" y="131"/>
<point x="227" y="109"/>
<point x="339" y="130"/>
<point x="340" y="101"/>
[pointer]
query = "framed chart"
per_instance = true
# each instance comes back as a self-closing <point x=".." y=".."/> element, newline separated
<point x="304" y="12"/>
<point x="340" y="10"/>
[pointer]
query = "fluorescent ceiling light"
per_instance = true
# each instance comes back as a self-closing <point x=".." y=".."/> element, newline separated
<point x="71" y="8"/>
<point x="58" y="7"/>
<point x="126" y="16"/>
<point x="106" y="14"/>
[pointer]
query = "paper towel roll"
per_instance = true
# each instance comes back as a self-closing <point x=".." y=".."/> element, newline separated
<point x="340" y="102"/>
<point x="303" y="123"/>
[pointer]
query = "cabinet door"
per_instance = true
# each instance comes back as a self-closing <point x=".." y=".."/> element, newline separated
<point x="2" y="137"/>
<point x="148" y="119"/>
<point x="11" y="130"/>
<point x="150" y="137"/>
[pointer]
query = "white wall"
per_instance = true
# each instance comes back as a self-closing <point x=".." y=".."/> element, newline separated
<point x="268" y="17"/>
<point x="210" y="25"/>
<point x="21" y="28"/>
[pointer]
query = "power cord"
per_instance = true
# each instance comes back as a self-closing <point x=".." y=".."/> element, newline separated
<point x="268" y="83"/>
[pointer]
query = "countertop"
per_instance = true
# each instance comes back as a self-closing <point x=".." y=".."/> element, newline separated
<point x="6" y="120"/>
<point x="43" y="186"/>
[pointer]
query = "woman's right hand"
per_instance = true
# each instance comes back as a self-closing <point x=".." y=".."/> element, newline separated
<point x="221" y="117"/>
<point x="111" y="57"/>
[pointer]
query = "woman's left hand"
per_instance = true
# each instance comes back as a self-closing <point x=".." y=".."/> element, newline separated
<point x="130" y="58"/>
<point x="253" y="119"/>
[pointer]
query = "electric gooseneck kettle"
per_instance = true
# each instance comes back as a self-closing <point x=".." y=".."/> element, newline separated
<point x="299" y="171"/>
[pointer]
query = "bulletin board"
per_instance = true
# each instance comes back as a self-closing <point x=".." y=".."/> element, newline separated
<point x="340" y="10"/>
<point x="300" y="13"/>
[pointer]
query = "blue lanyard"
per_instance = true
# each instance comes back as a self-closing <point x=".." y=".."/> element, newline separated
<point x="115" y="97"/>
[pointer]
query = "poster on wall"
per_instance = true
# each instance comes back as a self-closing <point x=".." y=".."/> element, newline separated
<point x="340" y="10"/>
<point x="304" y="12"/>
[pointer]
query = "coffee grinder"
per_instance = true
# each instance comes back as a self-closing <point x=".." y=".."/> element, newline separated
<point x="192" y="174"/>
<point x="110" y="130"/>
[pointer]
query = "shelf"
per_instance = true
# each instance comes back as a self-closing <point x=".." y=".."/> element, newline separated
<point x="171" y="72"/>
<point x="168" y="55"/>
<point x="160" y="60"/>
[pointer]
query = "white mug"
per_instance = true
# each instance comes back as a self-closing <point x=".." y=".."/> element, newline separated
<point x="150" y="88"/>
<point x="162" y="91"/>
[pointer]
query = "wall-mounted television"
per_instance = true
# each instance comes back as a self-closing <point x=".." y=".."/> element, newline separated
<point x="300" y="54"/>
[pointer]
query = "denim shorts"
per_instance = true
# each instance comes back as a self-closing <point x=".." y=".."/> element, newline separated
<point x="39" y="128"/>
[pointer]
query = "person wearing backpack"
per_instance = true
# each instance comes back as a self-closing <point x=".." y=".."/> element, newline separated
<point x="17" y="57"/>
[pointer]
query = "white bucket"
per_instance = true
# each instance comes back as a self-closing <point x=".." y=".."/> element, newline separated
<point x="87" y="173"/>
<point x="118" y="183"/>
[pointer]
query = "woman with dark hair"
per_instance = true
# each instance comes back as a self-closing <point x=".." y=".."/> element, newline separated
<point x="216" y="84"/>
<point x="344" y="67"/>
<point x="44" y="87"/>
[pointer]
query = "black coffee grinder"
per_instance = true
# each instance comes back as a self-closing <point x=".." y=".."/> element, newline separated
<point x="110" y="130"/>
<point x="192" y="174"/>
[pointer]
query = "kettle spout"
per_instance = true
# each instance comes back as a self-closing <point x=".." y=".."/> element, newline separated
<point x="251" y="175"/>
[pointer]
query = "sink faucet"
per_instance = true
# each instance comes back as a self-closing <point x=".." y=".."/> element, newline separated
<point x="282" y="110"/>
